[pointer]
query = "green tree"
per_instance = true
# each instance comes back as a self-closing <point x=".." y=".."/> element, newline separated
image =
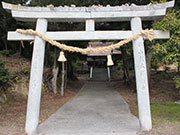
<point x="168" y="52"/>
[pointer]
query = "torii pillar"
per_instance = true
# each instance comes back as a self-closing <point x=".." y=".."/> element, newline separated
<point x="141" y="77"/>
<point x="35" y="85"/>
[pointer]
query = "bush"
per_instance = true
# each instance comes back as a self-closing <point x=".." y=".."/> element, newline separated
<point x="4" y="52"/>
<point x="177" y="81"/>
<point x="7" y="52"/>
<point x="4" y="74"/>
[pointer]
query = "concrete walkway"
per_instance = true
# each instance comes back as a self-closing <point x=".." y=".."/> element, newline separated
<point x="98" y="109"/>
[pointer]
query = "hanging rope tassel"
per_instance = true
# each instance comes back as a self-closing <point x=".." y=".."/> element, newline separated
<point x="61" y="57"/>
<point x="109" y="61"/>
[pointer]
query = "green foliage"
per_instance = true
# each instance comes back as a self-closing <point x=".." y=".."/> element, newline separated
<point x="158" y="1"/>
<point x="177" y="81"/>
<point x="4" y="52"/>
<point x="77" y="65"/>
<point x="165" y="111"/>
<point x="168" y="51"/>
<point x="4" y="74"/>
<point x="154" y="63"/>
<point x="120" y="64"/>
<point x="16" y="79"/>
<point x="26" y="70"/>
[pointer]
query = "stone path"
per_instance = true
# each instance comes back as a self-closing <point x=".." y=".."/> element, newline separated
<point x="98" y="109"/>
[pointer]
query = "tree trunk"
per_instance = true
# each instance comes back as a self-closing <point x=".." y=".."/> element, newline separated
<point x="62" y="80"/>
<point x="125" y="67"/>
<point x="47" y="55"/>
<point x="126" y="75"/>
<point x="65" y="83"/>
<point x="55" y="72"/>
<point x="148" y="64"/>
<point x="5" y="43"/>
<point x="70" y="71"/>
<point x="20" y="49"/>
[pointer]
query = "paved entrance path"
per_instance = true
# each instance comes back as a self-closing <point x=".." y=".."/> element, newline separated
<point x="98" y="109"/>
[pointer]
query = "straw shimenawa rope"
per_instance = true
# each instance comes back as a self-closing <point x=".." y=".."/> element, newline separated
<point x="148" y="33"/>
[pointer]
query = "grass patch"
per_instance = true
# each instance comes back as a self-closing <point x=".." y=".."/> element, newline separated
<point x="165" y="111"/>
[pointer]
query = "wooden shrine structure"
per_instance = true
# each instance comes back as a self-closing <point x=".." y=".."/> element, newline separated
<point x="89" y="15"/>
<point x="99" y="59"/>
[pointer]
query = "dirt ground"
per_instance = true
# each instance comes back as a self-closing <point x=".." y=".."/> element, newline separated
<point x="12" y="114"/>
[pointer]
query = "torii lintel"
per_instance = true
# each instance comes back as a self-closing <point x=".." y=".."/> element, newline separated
<point x="80" y="14"/>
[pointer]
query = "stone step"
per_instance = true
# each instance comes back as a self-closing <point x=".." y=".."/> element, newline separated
<point x="100" y="74"/>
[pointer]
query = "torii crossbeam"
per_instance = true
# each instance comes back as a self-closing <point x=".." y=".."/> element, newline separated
<point x="42" y="15"/>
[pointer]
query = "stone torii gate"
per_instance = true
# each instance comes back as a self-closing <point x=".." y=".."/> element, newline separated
<point x="42" y="15"/>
